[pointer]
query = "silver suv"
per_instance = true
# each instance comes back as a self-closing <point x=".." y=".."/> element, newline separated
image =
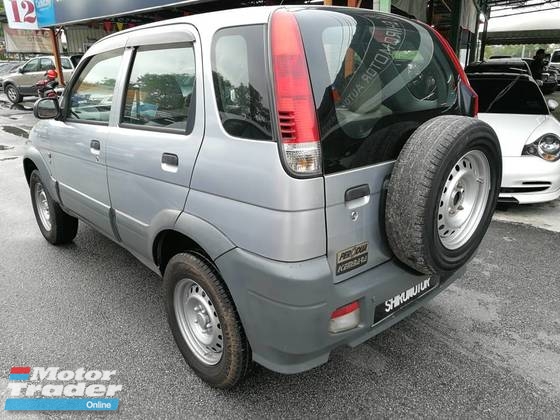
<point x="21" y="83"/>
<point x="302" y="178"/>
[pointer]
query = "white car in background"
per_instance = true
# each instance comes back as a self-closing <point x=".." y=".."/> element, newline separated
<point x="529" y="135"/>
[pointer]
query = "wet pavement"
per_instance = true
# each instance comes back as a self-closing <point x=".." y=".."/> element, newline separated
<point x="487" y="347"/>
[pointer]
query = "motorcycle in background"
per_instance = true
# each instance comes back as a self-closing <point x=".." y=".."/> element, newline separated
<point x="46" y="88"/>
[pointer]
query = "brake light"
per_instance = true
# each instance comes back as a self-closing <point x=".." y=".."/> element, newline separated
<point x="299" y="132"/>
<point x="457" y="64"/>
<point x="345" y="318"/>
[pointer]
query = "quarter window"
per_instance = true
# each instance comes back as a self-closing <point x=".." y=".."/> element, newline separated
<point x="92" y="95"/>
<point x="66" y="64"/>
<point x="240" y="82"/>
<point x="160" y="88"/>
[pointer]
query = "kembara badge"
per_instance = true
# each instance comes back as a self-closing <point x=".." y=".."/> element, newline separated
<point x="51" y="388"/>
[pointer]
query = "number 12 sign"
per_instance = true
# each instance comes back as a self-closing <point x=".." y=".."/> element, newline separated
<point x="21" y="14"/>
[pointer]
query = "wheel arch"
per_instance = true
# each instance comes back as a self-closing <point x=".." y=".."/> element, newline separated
<point x="28" y="167"/>
<point x="189" y="233"/>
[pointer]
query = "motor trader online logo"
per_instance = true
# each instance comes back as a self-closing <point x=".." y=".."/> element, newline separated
<point x="53" y="389"/>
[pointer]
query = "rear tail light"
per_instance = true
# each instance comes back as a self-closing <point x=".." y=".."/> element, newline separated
<point x="299" y="132"/>
<point x="462" y="75"/>
<point x="345" y="318"/>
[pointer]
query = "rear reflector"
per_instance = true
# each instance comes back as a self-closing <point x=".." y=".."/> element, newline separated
<point x="345" y="318"/>
<point x="299" y="132"/>
<point x="457" y="64"/>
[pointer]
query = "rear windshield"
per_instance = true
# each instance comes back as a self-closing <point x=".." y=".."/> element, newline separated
<point x="522" y="97"/>
<point x="555" y="57"/>
<point x="375" y="79"/>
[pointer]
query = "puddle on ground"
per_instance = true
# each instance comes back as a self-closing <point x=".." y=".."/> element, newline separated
<point x="4" y="147"/>
<point x="19" y="106"/>
<point x="15" y="131"/>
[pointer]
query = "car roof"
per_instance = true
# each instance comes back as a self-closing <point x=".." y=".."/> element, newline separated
<point x="500" y="62"/>
<point x="46" y="56"/>
<point x="501" y="76"/>
<point x="210" y="21"/>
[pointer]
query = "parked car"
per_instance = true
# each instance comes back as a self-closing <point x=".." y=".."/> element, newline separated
<point x="512" y="65"/>
<point x="555" y="74"/>
<point x="302" y="178"/>
<point x="21" y="83"/>
<point x="8" y="68"/>
<point x="555" y="59"/>
<point x="529" y="136"/>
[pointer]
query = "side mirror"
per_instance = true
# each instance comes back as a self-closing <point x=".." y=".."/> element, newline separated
<point x="46" y="108"/>
<point x="20" y="70"/>
<point x="552" y="104"/>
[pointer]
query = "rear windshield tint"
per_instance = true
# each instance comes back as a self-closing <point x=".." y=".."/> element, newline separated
<point x="375" y="79"/>
<point x="497" y="96"/>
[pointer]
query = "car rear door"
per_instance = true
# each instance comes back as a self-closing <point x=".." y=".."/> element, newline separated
<point x="156" y="134"/>
<point x="375" y="78"/>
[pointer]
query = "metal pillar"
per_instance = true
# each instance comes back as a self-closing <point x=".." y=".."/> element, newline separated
<point x="484" y="36"/>
<point x="56" y="55"/>
<point x="474" y="41"/>
<point x="456" y="26"/>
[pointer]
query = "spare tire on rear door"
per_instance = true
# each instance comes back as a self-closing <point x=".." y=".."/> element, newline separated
<point x="442" y="193"/>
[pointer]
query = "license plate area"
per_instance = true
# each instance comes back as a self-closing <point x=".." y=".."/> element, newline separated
<point x="402" y="300"/>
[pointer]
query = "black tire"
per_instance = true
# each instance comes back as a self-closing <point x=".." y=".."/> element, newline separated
<point x="414" y="198"/>
<point x="236" y="354"/>
<point x="63" y="227"/>
<point x="13" y="94"/>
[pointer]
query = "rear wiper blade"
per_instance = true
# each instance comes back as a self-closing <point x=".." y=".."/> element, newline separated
<point x="502" y="93"/>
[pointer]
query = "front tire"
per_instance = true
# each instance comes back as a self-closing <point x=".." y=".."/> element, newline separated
<point x="13" y="94"/>
<point x="442" y="193"/>
<point x="204" y="321"/>
<point x="56" y="226"/>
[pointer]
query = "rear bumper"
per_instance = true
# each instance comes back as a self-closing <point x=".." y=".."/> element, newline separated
<point x="285" y="308"/>
<point x="530" y="179"/>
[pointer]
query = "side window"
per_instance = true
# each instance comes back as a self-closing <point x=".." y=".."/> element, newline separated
<point x="240" y="81"/>
<point x="91" y="96"/>
<point x="66" y="64"/>
<point x="33" y="65"/>
<point x="160" y="88"/>
<point x="46" y="64"/>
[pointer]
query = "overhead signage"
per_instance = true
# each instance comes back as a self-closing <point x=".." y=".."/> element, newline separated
<point x="58" y="12"/>
<point x="21" y="14"/>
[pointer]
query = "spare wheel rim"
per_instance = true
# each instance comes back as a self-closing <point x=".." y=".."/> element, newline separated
<point x="463" y="199"/>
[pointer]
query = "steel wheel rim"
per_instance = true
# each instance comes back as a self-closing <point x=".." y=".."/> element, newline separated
<point x="463" y="199"/>
<point x="198" y="321"/>
<point x="42" y="205"/>
<point x="12" y="93"/>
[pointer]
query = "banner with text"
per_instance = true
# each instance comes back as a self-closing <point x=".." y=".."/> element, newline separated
<point x="25" y="41"/>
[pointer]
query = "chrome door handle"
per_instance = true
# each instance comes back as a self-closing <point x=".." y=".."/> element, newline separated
<point x="95" y="147"/>
<point x="169" y="162"/>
